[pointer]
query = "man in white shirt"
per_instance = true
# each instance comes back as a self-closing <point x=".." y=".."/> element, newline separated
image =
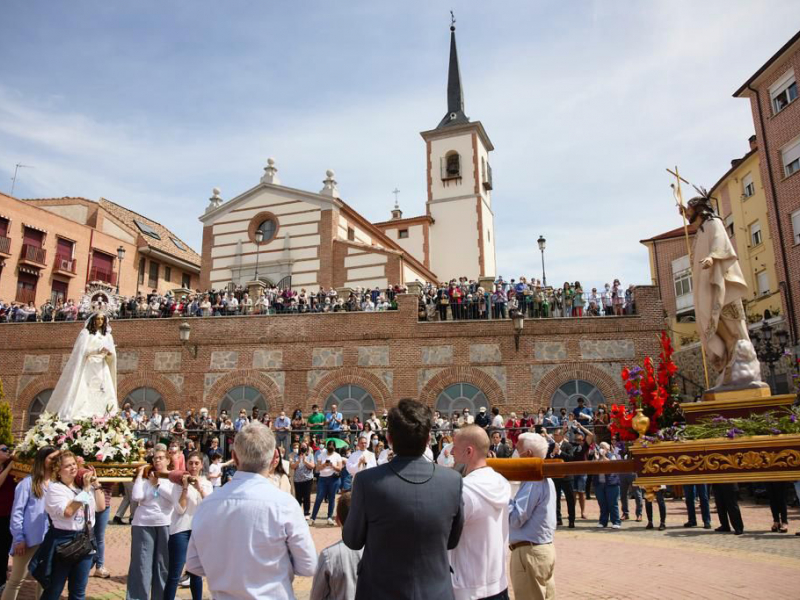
<point x="270" y="542"/>
<point x="361" y="459"/>
<point x="479" y="561"/>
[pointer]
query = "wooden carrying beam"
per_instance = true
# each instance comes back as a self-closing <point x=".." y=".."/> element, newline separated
<point x="536" y="469"/>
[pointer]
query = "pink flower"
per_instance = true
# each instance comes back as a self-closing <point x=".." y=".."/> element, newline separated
<point x="61" y="439"/>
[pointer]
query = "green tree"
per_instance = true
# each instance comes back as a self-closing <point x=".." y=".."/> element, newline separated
<point x="6" y="436"/>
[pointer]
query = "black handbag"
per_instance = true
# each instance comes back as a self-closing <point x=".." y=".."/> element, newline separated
<point x="81" y="546"/>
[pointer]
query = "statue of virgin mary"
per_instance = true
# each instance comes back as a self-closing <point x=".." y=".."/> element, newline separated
<point x="88" y="384"/>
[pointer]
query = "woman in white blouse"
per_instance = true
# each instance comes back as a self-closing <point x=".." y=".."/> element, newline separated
<point x="69" y="506"/>
<point x="147" y="574"/>
<point x="185" y="500"/>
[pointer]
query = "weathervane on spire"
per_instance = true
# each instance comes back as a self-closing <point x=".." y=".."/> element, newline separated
<point x="452" y="21"/>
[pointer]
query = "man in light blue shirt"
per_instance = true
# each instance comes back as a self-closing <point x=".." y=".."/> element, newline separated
<point x="269" y="542"/>
<point x="532" y="523"/>
<point x="333" y="422"/>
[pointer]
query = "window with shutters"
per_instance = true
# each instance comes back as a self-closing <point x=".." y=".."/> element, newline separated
<point x="682" y="279"/>
<point x="762" y="282"/>
<point x="783" y="92"/>
<point x="755" y="234"/>
<point x="748" y="187"/>
<point x="451" y="165"/>
<point x="729" y="225"/>
<point x="152" y="280"/>
<point x="796" y="226"/>
<point x="790" y="154"/>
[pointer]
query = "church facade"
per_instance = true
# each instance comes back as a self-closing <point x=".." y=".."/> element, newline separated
<point x="280" y="235"/>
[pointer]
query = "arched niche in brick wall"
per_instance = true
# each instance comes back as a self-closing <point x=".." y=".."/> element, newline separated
<point x="248" y="378"/>
<point x="170" y="397"/>
<point x="611" y="390"/>
<point x="338" y="378"/>
<point x="462" y="375"/>
<point x="27" y="395"/>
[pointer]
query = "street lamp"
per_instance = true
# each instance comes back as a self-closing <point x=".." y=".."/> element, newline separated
<point x="518" y="320"/>
<point x="768" y="351"/>
<point x="259" y="235"/>
<point x="120" y="257"/>
<point x="185" y="332"/>
<point x="541" y="241"/>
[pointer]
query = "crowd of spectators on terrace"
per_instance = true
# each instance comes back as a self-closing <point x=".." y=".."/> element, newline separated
<point x="466" y="299"/>
<point x="461" y="299"/>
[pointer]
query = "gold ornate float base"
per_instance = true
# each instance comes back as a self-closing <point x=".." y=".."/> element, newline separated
<point x="742" y="403"/>
<point x="763" y="392"/>
<point x="718" y="460"/>
<point x="106" y="472"/>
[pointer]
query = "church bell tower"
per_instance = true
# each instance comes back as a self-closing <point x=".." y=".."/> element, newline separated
<point x="459" y="187"/>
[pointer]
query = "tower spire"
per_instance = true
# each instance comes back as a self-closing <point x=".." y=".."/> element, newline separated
<point x="455" y="93"/>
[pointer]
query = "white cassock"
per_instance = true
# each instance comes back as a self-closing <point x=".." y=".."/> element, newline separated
<point x="388" y="455"/>
<point x="88" y="384"/>
<point x="353" y="466"/>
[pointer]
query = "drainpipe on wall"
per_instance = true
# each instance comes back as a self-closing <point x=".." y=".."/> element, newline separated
<point x="786" y="283"/>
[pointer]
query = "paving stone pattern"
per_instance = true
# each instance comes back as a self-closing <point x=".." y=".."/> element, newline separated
<point x="437" y="355"/>
<point x="484" y="353"/>
<point x="373" y="356"/>
<point x="167" y="361"/>
<point x="327" y="358"/>
<point x="550" y="350"/>
<point x="630" y="564"/>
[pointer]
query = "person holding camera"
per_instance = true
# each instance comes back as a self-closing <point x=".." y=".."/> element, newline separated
<point x="329" y="466"/>
<point x="303" y="466"/>
<point x="71" y="503"/>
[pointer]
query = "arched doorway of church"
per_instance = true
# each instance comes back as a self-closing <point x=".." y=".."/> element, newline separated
<point x="457" y="397"/>
<point x="351" y="401"/>
<point x="566" y="396"/>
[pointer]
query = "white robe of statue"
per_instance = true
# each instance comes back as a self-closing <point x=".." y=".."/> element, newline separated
<point x="88" y="384"/>
<point x="718" y="291"/>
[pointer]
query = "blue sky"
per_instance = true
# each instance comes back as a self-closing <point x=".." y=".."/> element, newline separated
<point x="151" y="104"/>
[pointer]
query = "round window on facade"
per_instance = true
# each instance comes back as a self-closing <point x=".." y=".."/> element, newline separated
<point x="243" y="397"/>
<point x="38" y="404"/>
<point x="267" y="227"/>
<point x="457" y="397"/>
<point x="351" y="401"/>
<point x="148" y="397"/>
<point x="567" y="395"/>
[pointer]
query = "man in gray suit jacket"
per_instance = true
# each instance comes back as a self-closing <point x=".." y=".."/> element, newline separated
<point x="406" y="514"/>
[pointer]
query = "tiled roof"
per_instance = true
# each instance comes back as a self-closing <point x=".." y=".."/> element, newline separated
<point x="164" y="244"/>
<point x="672" y="233"/>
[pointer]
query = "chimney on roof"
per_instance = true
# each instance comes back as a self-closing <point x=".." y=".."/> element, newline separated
<point x="270" y="173"/>
<point x="753" y="142"/>
<point x="330" y="189"/>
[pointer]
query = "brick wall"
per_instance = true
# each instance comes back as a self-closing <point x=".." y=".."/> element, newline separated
<point x="778" y="130"/>
<point x="295" y="361"/>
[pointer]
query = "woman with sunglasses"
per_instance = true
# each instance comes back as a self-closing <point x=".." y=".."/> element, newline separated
<point x="71" y="504"/>
<point x="29" y="522"/>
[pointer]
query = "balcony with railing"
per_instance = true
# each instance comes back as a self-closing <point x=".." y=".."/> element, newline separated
<point x="25" y="295"/>
<point x="65" y="266"/>
<point x="102" y="274"/>
<point x="33" y="255"/>
<point x="5" y="245"/>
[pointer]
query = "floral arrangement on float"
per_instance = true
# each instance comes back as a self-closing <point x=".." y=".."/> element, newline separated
<point x="761" y="446"/>
<point x="653" y="402"/>
<point x="107" y="443"/>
